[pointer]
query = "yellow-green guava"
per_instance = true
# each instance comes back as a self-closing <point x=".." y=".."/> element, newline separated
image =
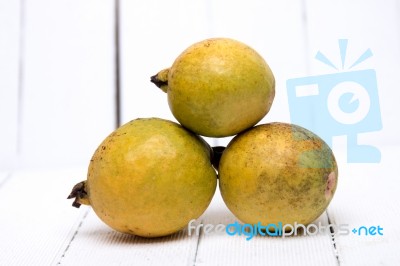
<point x="218" y="87"/>
<point x="149" y="178"/>
<point x="277" y="172"/>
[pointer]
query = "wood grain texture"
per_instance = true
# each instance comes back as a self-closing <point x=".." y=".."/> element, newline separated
<point x="222" y="249"/>
<point x="367" y="195"/>
<point x="37" y="222"/>
<point x="97" y="244"/>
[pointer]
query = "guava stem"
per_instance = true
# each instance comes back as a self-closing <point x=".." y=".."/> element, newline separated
<point x="217" y="153"/>
<point x="80" y="194"/>
<point x="161" y="79"/>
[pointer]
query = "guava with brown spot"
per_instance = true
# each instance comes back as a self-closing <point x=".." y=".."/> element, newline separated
<point x="149" y="178"/>
<point x="218" y="87"/>
<point x="277" y="172"/>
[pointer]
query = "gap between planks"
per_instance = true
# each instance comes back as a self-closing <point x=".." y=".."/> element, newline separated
<point x="4" y="180"/>
<point x="73" y="233"/>
<point x="198" y="243"/>
<point x="332" y="234"/>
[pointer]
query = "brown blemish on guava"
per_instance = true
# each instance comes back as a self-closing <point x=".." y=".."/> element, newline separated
<point x="330" y="185"/>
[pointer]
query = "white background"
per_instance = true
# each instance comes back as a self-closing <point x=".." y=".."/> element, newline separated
<point x="64" y="62"/>
<point x="58" y="77"/>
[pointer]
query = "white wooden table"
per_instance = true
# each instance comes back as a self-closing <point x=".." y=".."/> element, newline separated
<point x="38" y="226"/>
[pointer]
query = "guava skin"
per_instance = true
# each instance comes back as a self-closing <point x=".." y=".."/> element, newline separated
<point x="150" y="177"/>
<point x="218" y="87"/>
<point x="277" y="172"/>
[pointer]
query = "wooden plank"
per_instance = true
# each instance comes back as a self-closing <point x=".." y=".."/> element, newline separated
<point x="367" y="195"/>
<point x="37" y="222"/>
<point x="222" y="249"/>
<point x="68" y="93"/>
<point x="9" y="81"/>
<point x="97" y="244"/>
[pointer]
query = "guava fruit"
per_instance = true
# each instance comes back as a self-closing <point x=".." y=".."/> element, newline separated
<point x="277" y="172"/>
<point x="218" y="87"/>
<point x="149" y="178"/>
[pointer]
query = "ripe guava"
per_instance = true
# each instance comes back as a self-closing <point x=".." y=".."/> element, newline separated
<point x="149" y="178"/>
<point x="218" y="87"/>
<point x="277" y="172"/>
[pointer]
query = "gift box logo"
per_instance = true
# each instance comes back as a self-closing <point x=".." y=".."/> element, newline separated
<point x="342" y="103"/>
